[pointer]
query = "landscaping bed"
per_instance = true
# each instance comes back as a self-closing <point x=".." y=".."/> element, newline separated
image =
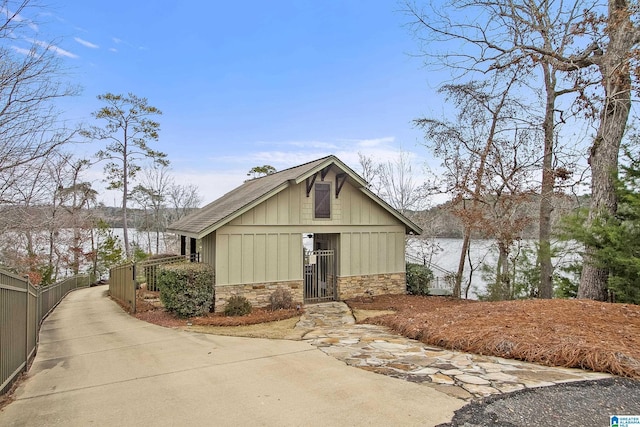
<point x="593" y="335"/>
<point x="150" y="310"/>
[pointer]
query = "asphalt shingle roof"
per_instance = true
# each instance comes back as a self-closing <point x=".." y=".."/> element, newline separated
<point x="240" y="197"/>
<point x="223" y="209"/>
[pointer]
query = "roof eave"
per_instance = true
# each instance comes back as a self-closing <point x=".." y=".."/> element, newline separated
<point x="410" y="226"/>
<point x="182" y="233"/>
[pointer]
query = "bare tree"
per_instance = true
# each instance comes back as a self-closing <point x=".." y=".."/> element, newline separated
<point x="182" y="200"/>
<point x="576" y="38"/>
<point x="613" y="62"/>
<point x="466" y="147"/>
<point x="395" y="182"/>
<point x="24" y="245"/>
<point x="398" y="185"/>
<point x="152" y="194"/>
<point x="505" y="216"/>
<point x="31" y="81"/>
<point x="370" y="171"/>
<point x="75" y="197"/>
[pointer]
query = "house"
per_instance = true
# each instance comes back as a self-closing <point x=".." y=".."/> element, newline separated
<point x="314" y="229"/>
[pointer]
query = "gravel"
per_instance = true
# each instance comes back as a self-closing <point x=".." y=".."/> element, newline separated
<point x="579" y="404"/>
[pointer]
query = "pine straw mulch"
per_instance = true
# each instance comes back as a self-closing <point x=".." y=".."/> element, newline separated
<point x="602" y="337"/>
<point x="149" y="312"/>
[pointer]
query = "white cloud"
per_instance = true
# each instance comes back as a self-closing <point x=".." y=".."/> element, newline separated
<point x="21" y="50"/>
<point x="61" y="52"/>
<point x="53" y="48"/>
<point x="117" y="40"/>
<point x="284" y="158"/>
<point x="324" y="145"/>
<point x="113" y="49"/>
<point x="211" y="184"/>
<point x="86" y="43"/>
<point x="292" y="153"/>
<point x="375" y="142"/>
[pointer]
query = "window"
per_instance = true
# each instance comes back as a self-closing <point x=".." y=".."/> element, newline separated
<point x="323" y="200"/>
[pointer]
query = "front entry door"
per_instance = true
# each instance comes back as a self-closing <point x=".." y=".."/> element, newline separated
<point x="320" y="276"/>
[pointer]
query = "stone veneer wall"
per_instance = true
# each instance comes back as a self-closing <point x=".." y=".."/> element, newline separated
<point x="257" y="293"/>
<point x="375" y="284"/>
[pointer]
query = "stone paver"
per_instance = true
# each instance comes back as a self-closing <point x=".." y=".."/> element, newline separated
<point x="331" y="327"/>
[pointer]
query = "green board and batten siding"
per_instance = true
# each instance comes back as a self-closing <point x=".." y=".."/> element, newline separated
<point x="264" y="244"/>
<point x="252" y="235"/>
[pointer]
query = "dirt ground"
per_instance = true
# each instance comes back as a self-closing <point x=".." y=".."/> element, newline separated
<point x="584" y="334"/>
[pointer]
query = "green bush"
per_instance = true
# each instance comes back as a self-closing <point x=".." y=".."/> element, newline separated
<point x="150" y="269"/>
<point x="237" y="306"/>
<point x="280" y="299"/>
<point x="418" y="279"/>
<point x="186" y="289"/>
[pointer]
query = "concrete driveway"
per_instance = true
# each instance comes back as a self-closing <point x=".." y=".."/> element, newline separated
<point x="98" y="366"/>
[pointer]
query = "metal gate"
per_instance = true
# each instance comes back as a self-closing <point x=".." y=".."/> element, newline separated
<point x="320" y="276"/>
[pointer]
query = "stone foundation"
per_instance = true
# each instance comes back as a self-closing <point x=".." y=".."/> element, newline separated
<point x="375" y="284"/>
<point x="257" y="293"/>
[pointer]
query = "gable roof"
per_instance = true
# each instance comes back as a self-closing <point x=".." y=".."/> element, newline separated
<point x="255" y="191"/>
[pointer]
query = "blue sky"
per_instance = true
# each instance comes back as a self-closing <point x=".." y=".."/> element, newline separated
<point x="248" y="83"/>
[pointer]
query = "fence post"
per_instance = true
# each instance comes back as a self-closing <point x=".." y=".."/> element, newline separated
<point x="135" y="285"/>
<point x="26" y="327"/>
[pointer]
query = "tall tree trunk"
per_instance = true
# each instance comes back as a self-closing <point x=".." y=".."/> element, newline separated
<point x="503" y="281"/>
<point x="477" y="188"/>
<point x="603" y="158"/>
<point x="125" y="189"/>
<point x="125" y="224"/>
<point x="546" y="190"/>
<point x="463" y="253"/>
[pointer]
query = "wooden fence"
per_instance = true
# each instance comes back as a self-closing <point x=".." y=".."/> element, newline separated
<point x="124" y="279"/>
<point x="23" y="307"/>
<point x="149" y="268"/>
<point x="122" y="285"/>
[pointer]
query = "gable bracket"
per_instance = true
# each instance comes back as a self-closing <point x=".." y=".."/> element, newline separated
<point x="310" y="182"/>
<point x="340" y="180"/>
<point x="324" y="172"/>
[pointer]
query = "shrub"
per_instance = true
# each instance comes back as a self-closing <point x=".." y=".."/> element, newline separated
<point x="186" y="289"/>
<point x="418" y="279"/>
<point x="280" y="299"/>
<point x="237" y="306"/>
<point x="150" y="269"/>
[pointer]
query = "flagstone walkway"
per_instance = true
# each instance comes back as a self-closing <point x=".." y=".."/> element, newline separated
<point x="331" y="327"/>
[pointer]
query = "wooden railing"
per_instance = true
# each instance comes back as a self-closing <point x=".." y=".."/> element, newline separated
<point x="124" y="279"/>
<point x="149" y="269"/>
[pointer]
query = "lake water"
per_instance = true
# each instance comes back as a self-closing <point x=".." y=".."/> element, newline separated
<point x="446" y="255"/>
<point x="147" y="241"/>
